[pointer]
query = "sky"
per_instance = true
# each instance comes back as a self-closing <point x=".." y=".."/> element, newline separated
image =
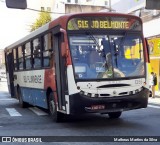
<point x="14" y="24"/>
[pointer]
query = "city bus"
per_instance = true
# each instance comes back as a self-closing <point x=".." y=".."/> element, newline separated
<point x="81" y="63"/>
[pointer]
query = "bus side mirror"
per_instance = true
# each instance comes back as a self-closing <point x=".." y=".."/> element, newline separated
<point x="16" y="4"/>
<point x="64" y="44"/>
<point x="148" y="49"/>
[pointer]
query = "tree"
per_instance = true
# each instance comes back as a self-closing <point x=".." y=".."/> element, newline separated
<point x="44" y="17"/>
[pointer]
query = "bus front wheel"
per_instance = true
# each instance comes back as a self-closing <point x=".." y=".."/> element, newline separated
<point x="55" y="115"/>
<point x="114" y="114"/>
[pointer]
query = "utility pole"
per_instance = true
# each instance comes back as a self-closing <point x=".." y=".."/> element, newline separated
<point x="110" y="7"/>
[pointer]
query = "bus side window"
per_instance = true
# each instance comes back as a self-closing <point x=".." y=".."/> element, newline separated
<point x="20" y="57"/>
<point x="15" y="58"/>
<point x="47" y="50"/>
<point x="36" y="53"/>
<point x="27" y="51"/>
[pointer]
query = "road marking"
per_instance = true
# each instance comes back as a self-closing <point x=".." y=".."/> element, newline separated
<point x="38" y="111"/>
<point x="154" y="106"/>
<point x="9" y="99"/>
<point x="13" y="112"/>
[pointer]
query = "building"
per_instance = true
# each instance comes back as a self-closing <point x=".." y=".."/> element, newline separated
<point x="2" y="59"/>
<point x="56" y="9"/>
<point x="62" y="7"/>
<point x="151" y="23"/>
<point x="34" y="7"/>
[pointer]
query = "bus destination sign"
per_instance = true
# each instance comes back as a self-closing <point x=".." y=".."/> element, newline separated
<point x="103" y="23"/>
<point x="82" y="24"/>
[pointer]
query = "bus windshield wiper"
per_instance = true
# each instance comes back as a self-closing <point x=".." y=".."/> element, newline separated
<point x="97" y="44"/>
<point x="116" y="53"/>
<point x="122" y="40"/>
<point x="94" y="39"/>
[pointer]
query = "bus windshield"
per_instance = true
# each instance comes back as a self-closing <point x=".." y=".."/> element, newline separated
<point x="99" y="56"/>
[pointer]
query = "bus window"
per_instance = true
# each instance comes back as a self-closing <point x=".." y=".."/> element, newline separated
<point x="15" y="58"/>
<point x="20" y="57"/>
<point x="36" y="53"/>
<point x="27" y="51"/>
<point x="117" y="56"/>
<point x="47" y="50"/>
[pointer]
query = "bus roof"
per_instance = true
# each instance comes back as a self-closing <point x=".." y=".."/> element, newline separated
<point x="62" y="21"/>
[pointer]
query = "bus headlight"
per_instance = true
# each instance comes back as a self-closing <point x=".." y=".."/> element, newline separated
<point x="96" y="95"/>
<point x="131" y="92"/>
<point x="89" y="95"/>
<point x="136" y="91"/>
<point x="81" y="93"/>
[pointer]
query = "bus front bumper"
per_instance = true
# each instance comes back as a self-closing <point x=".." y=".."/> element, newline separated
<point x="84" y="104"/>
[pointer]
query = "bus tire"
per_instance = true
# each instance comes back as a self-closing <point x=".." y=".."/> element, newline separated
<point x="114" y="114"/>
<point x="21" y="102"/>
<point x="52" y="106"/>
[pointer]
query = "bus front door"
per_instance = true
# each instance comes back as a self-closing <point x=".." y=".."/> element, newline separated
<point x="60" y="70"/>
<point x="10" y="79"/>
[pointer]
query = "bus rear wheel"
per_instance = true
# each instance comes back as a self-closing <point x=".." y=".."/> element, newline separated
<point x="55" y="115"/>
<point x="114" y="114"/>
<point x="21" y="102"/>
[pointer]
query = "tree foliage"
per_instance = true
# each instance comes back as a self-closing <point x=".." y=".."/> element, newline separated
<point x="44" y="17"/>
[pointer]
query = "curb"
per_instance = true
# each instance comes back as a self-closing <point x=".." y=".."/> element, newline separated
<point x="157" y="96"/>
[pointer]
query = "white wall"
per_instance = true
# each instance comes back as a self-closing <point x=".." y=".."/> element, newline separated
<point x="127" y="6"/>
<point x="151" y="28"/>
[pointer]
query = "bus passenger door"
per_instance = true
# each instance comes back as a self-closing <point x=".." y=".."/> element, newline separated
<point x="60" y="70"/>
<point x="9" y="69"/>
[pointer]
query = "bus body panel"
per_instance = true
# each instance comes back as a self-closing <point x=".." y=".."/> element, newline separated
<point x="31" y="79"/>
<point x="36" y="97"/>
<point x="84" y="104"/>
<point x="34" y="85"/>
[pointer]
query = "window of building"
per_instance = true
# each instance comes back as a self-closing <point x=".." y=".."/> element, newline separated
<point x="48" y="9"/>
<point x="106" y="3"/>
<point x="69" y="1"/>
<point x="76" y="1"/>
<point x="42" y="9"/>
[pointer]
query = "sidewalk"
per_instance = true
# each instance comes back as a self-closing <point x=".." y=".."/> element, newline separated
<point x="155" y="100"/>
<point x="3" y="86"/>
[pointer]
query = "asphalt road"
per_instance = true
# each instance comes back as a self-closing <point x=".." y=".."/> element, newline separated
<point x="16" y="121"/>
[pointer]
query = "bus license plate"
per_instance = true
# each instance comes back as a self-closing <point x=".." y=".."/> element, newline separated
<point x="97" y="107"/>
